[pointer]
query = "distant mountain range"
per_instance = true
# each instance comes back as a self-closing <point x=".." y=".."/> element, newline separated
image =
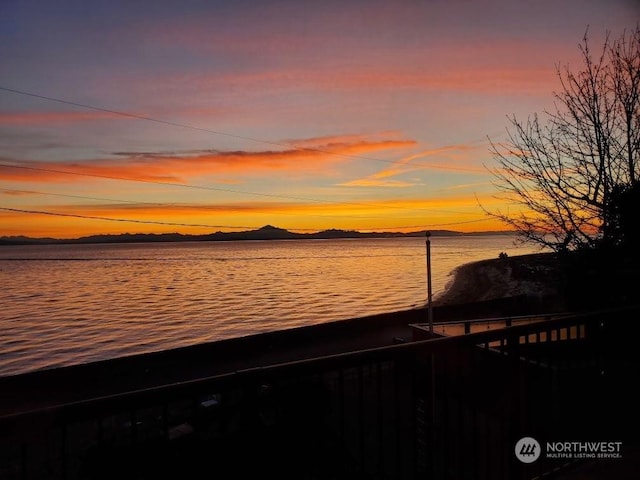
<point x="268" y="232"/>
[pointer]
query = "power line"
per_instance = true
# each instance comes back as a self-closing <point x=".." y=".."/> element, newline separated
<point x="216" y="132"/>
<point x="157" y="182"/>
<point x="83" y="197"/>
<point x="226" y="190"/>
<point x="112" y="219"/>
<point x="179" y="224"/>
<point x="138" y="117"/>
<point x="163" y="204"/>
<point x="187" y="126"/>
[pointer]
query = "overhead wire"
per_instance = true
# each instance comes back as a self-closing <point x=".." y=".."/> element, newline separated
<point x="173" y="204"/>
<point x="216" y="132"/>
<point x="202" y="187"/>
<point x="226" y="190"/>
<point x="180" y="224"/>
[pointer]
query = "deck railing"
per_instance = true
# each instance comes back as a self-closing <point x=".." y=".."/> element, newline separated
<point x="460" y="327"/>
<point x="442" y="408"/>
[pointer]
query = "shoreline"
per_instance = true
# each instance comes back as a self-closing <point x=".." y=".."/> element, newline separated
<point x="504" y="294"/>
<point x="469" y="296"/>
<point x="485" y="289"/>
<point x="536" y="276"/>
<point x="46" y="388"/>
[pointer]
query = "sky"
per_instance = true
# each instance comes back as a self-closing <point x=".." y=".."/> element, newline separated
<point x="200" y="116"/>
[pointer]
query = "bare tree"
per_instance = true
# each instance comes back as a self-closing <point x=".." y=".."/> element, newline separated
<point x="560" y="173"/>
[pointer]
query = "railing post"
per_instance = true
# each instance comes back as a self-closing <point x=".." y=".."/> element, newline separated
<point x="429" y="288"/>
<point x="23" y="460"/>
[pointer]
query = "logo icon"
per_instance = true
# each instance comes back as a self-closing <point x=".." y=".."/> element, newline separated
<point x="527" y="450"/>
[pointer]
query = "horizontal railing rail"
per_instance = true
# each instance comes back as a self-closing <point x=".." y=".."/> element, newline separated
<point x="424" y="346"/>
<point x="458" y="327"/>
<point x="399" y="398"/>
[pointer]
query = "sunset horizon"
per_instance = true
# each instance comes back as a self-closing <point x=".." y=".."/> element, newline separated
<point x="338" y="239"/>
<point x="134" y="235"/>
<point x="220" y="117"/>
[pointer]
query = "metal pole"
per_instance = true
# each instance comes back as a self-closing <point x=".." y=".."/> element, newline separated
<point x="429" y="299"/>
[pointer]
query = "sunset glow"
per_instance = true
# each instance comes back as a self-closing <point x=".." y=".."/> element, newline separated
<point x="198" y="117"/>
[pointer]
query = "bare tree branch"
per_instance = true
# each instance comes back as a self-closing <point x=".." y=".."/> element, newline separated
<point x="561" y="172"/>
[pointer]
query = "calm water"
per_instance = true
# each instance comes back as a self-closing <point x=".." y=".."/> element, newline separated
<point x="68" y="304"/>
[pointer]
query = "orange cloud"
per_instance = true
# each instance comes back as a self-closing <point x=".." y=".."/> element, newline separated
<point x="374" y="182"/>
<point x="16" y="193"/>
<point x="174" y="168"/>
<point x="451" y="152"/>
<point x="465" y="186"/>
<point x="338" y="140"/>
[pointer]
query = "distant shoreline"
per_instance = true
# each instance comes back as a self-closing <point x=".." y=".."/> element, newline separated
<point x="267" y="232"/>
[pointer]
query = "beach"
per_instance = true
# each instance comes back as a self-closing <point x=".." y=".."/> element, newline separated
<point x="536" y="276"/>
